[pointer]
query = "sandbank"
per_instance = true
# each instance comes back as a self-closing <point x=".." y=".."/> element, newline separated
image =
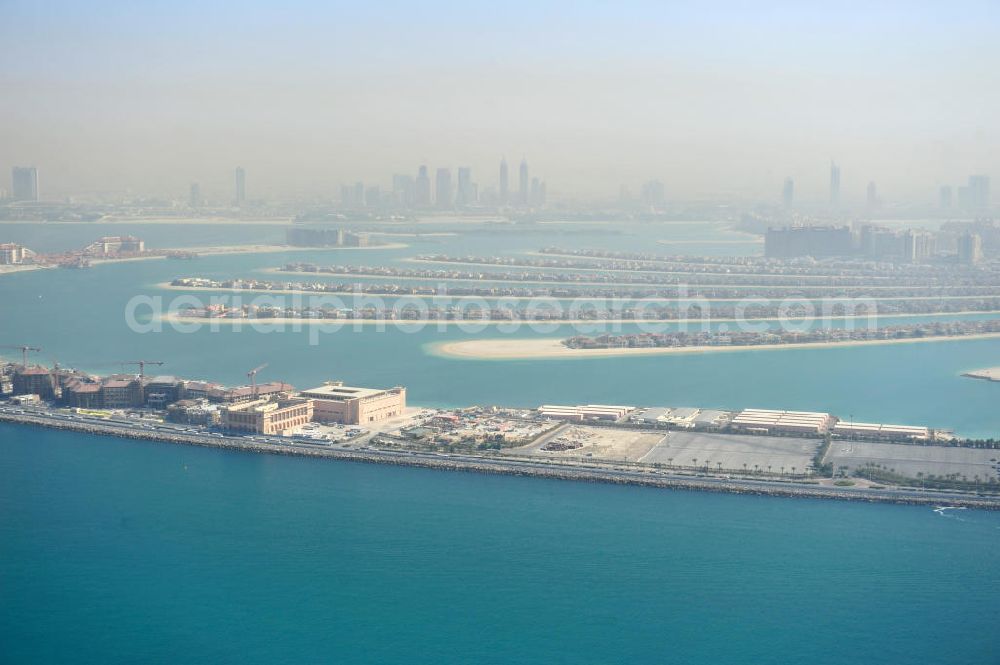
<point x="553" y="348"/>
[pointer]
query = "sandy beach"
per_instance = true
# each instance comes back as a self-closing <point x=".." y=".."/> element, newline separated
<point x="549" y="348"/>
<point x="218" y="250"/>
<point x="989" y="374"/>
<point x="9" y="270"/>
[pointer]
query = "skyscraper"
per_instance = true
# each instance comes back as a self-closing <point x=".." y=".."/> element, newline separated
<point x="964" y="198"/>
<point x="944" y="196"/>
<point x="523" y="183"/>
<point x="872" y="196"/>
<point x="442" y="188"/>
<point x="24" y="183"/>
<point x="241" y="186"/>
<point x="402" y="190"/>
<point x="918" y="246"/>
<point x="970" y="249"/>
<point x="194" y="197"/>
<point x="979" y="192"/>
<point x="834" y="184"/>
<point x="504" y="183"/>
<point x="422" y="188"/>
<point x="654" y="194"/>
<point x="373" y="196"/>
<point x="788" y="193"/>
<point x="466" y="194"/>
<point x="347" y="196"/>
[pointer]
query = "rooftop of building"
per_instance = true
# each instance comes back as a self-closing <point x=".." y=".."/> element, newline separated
<point x="80" y="387"/>
<point x="652" y="414"/>
<point x="271" y="387"/>
<point x="202" y="385"/>
<point x="33" y="371"/>
<point x="683" y="412"/>
<point x="116" y="383"/>
<point x="337" y="391"/>
<point x="165" y="379"/>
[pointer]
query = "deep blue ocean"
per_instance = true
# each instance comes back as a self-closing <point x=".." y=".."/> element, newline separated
<point x="116" y="551"/>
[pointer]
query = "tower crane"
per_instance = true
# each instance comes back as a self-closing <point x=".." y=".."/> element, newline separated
<point x="142" y="374"/>
<point x="252" y="375"/>
<point x="24" y="352"/>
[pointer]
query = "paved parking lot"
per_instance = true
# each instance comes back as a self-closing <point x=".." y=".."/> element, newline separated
<point x="909" y="460"/>
<point x="734" y="452"/>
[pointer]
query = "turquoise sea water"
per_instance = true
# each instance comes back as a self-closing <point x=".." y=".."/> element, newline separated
<point x="77" y="317"/>
<point x="115" y="551"/>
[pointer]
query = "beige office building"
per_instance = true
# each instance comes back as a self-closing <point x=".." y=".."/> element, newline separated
<point x="334" y="402"/>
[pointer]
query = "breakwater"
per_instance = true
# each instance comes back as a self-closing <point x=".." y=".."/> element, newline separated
<point x="493" y="465"/>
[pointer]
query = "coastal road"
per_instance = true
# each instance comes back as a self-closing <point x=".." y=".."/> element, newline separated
<point x="359" y="451"/>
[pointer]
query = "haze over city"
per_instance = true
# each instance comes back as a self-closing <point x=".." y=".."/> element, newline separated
<point x="377" y="333"/>
<point x="717" y="104"/>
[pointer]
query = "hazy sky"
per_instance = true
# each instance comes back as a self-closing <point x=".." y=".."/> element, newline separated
<point x="713" y="98"/>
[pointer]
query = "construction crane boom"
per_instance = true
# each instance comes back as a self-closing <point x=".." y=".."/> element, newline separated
<point x="24" y="352"/>
<point x="142" y="374"/>
<point x="252" y="375"/>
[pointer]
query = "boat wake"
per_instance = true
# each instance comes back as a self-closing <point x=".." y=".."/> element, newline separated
<point x="943" y="511"/>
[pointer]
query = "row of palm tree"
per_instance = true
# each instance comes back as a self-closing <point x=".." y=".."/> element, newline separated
<point x="757" y="468"/>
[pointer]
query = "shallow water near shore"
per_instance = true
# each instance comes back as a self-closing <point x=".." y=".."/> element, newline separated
<point x="86" y="328"/>
<point x="190" y="554"/>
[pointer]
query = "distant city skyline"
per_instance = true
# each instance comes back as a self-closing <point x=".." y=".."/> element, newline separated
<point x="403" y="190"/>
<point x="716" y="104"/>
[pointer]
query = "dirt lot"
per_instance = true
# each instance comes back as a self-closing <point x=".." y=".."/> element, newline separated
<point x="595" y="442"/>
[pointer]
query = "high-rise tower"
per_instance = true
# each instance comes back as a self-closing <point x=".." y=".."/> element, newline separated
<point x="24" y="183"/>
<point x="442" y="187"/>
<point x="504" y="183"/>
<point x="241" y="186"/>
<point x="788" y="193"/>
<point x="523" y="183"/>
<point x="834" y="184"/>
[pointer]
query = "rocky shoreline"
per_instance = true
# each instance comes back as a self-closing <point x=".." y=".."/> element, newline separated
<point x="511" y="468"/>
